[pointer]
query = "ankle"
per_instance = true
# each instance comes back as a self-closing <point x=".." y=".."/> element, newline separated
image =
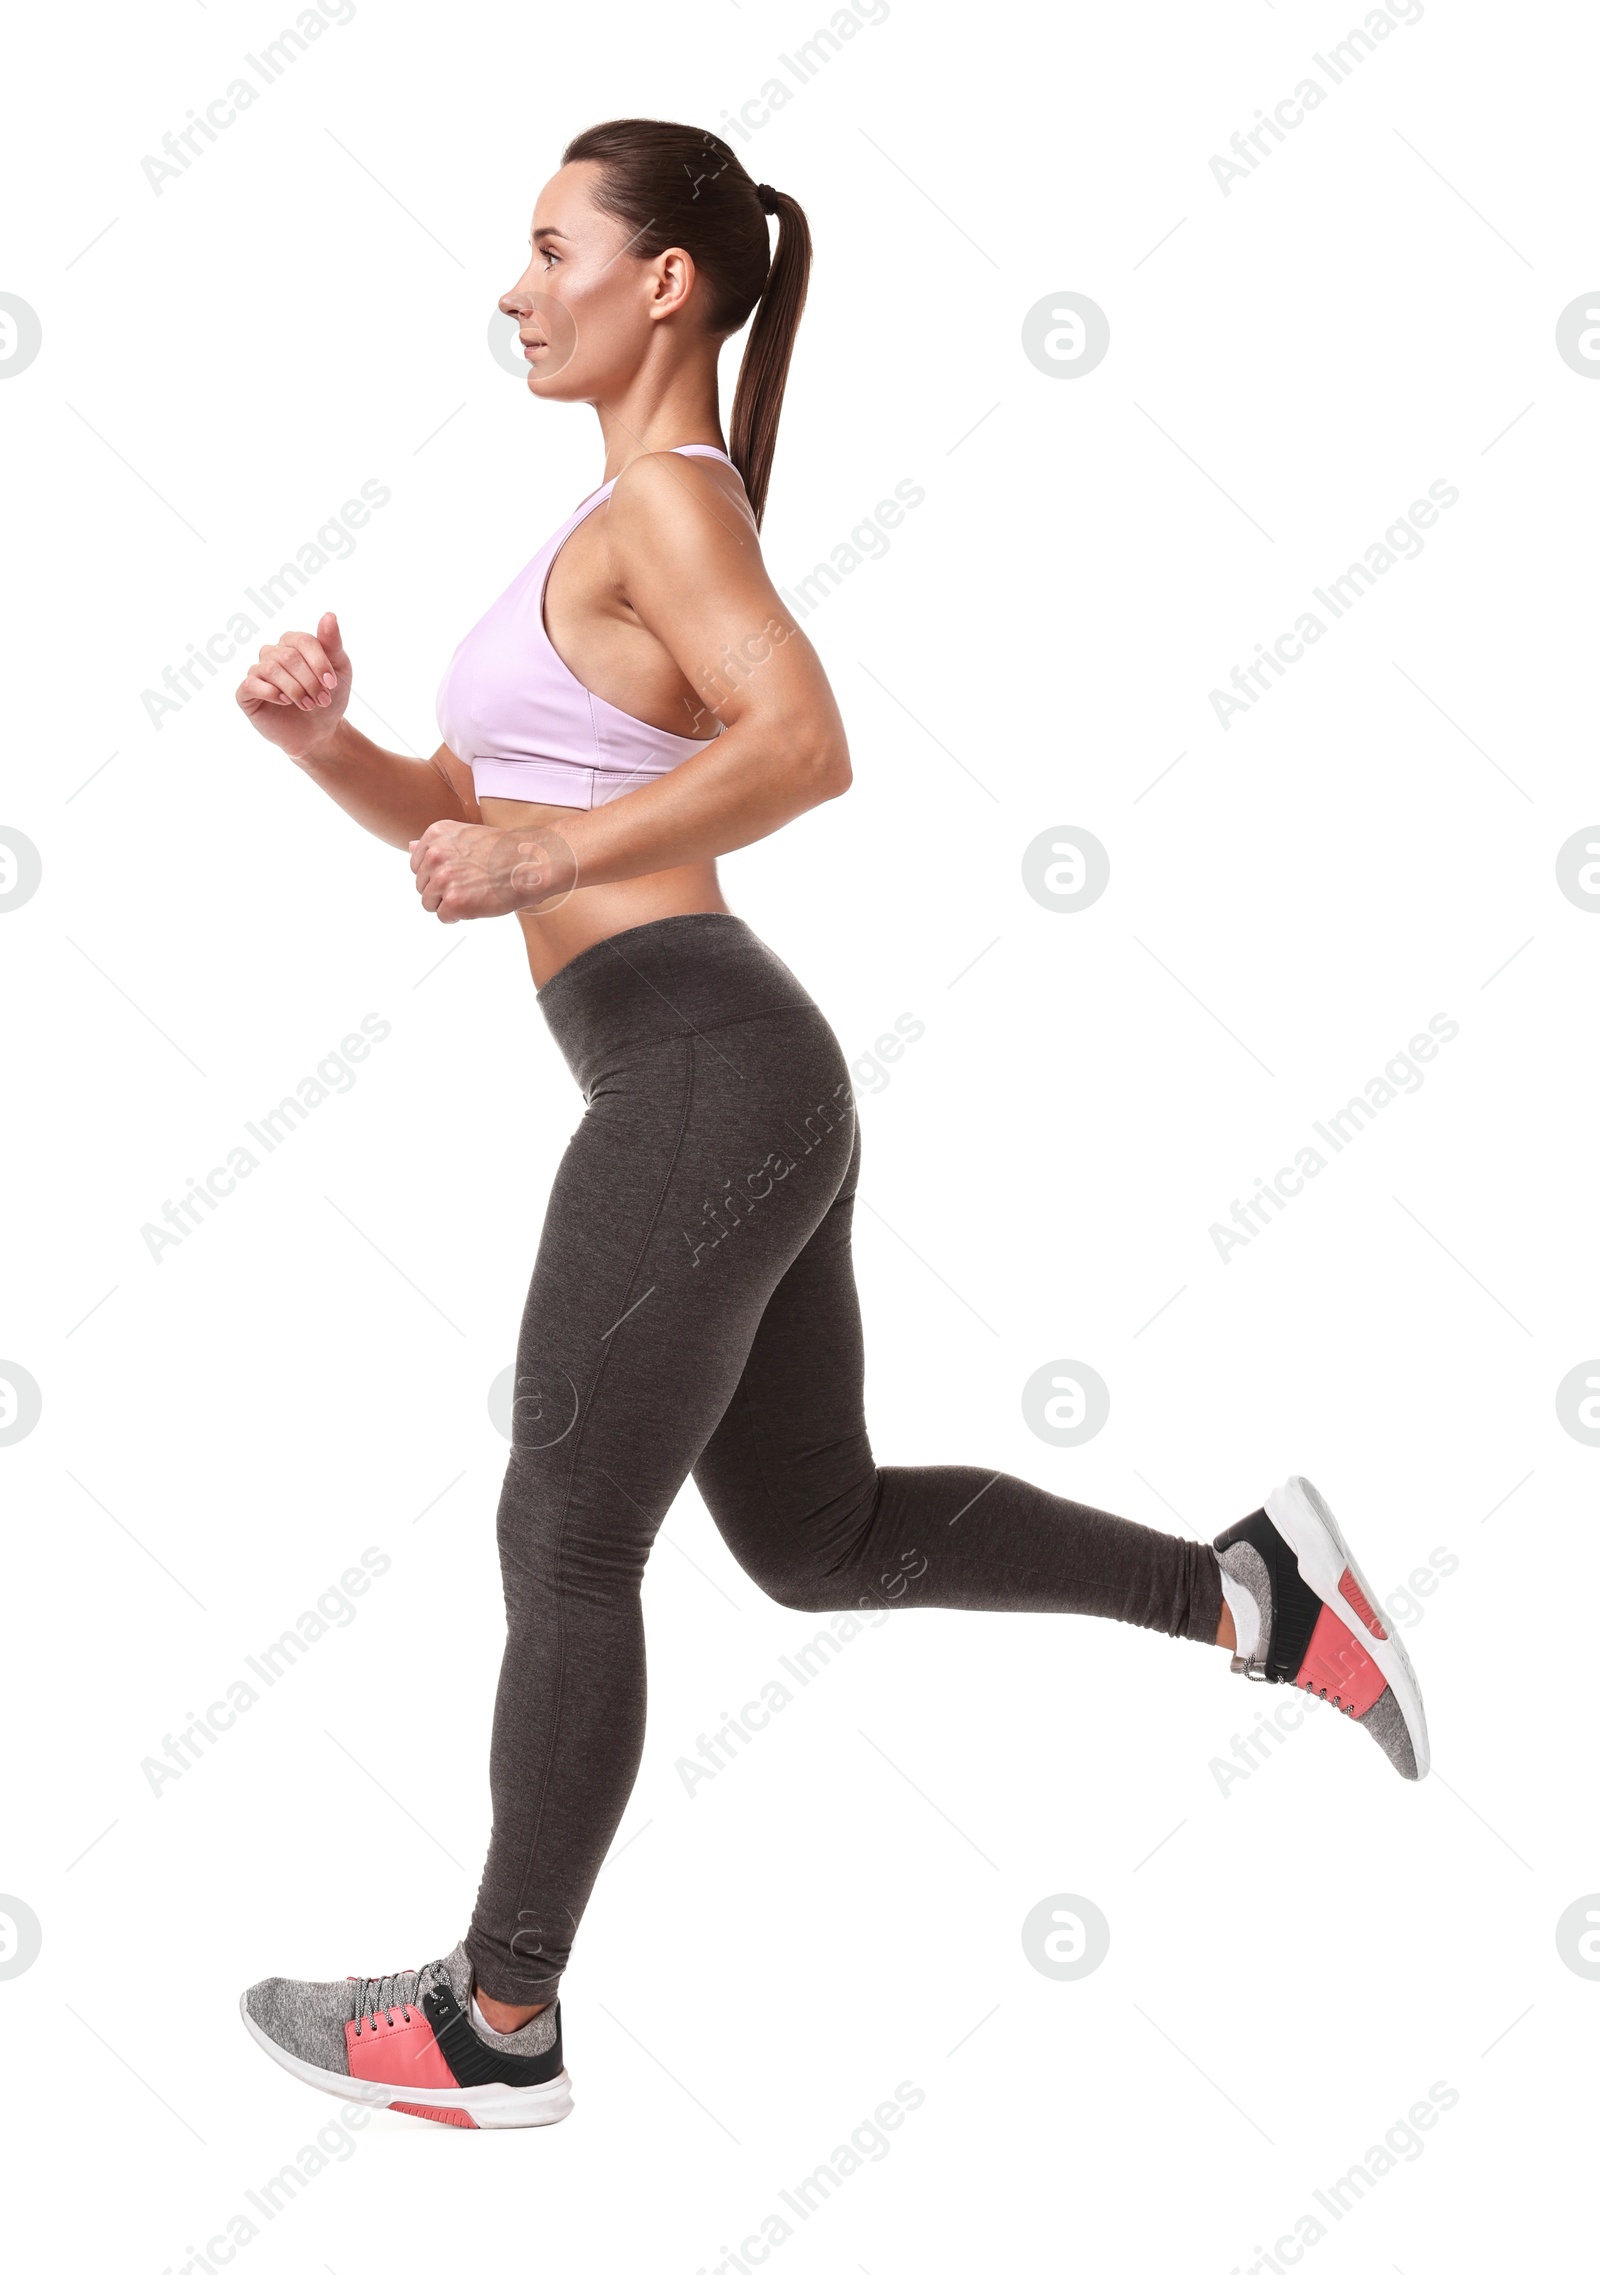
<point x="1245" y="1623"/>
<point x="499" y="2015"/>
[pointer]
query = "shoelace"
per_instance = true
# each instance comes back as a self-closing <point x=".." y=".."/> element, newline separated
<point x="381" y="1994"/>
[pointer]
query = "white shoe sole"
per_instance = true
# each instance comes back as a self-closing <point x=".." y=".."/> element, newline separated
<point x="493" y="2108"/>
<point x="1308" y="1525"/>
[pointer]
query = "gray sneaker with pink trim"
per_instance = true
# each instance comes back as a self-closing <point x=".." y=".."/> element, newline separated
<point x="1303" y="1613"/>
<point x="415" y="2042"/>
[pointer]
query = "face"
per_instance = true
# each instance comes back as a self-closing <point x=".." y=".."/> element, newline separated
<point x="587" y="308"/>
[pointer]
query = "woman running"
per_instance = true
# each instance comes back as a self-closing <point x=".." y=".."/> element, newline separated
<point x="637" y="702"/>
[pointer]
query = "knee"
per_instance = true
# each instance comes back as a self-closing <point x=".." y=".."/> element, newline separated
<point x="808" y="1556"/>
<point x="801" y="1587"/>
<point x="568" y="1537"/>
<point x="862" y="1588"/>
<point x="804" y="1577"/>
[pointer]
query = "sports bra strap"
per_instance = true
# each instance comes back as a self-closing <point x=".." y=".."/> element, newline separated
<point x="678" y="450"/>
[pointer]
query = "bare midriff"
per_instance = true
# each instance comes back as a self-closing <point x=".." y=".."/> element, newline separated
<point x="594" y="912"/>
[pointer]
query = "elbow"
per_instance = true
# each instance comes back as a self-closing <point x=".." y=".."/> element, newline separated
<point x="828" y="772"/>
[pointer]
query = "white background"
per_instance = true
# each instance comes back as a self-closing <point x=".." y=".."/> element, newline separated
<point x="1305" y="1952"/>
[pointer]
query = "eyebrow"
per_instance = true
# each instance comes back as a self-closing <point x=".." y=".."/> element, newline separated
<point x="547" y="231"/>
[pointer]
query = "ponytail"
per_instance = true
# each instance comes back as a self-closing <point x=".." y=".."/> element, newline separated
<point x="674" y="185"/>
<point x="764" y="370"/>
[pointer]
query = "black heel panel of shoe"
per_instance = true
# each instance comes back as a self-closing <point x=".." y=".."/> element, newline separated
<point x="1296" y="1607"/>
<point x="471" y="2061"/>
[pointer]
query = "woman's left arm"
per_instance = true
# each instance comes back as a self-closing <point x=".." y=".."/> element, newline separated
<point x="689" y="563"/>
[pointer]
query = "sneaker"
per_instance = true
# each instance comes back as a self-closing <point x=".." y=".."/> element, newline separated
<point x="1315" y="1625"/>
<point x="410" y="2042"/>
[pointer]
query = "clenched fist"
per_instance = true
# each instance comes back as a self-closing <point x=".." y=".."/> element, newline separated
<point x="464" y="870"/>
<point x="296" y="691"/>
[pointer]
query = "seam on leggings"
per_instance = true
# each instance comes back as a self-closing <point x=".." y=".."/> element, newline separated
<point x="572" y="1471"/>
<point x="774" y="1011"/>
<point x="741" y="1019"/>
<point x="779" y="1011"/>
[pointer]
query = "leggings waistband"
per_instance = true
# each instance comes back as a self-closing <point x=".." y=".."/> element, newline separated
<point x="681" y="975"/>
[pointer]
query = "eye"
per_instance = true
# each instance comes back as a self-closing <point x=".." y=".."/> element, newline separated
<point x="550" y="255"/>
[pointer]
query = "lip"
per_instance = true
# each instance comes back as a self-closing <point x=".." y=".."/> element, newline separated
<point x="529" y="346"/>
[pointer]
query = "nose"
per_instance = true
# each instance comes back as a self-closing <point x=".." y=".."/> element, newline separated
<point x="517" y="299"/>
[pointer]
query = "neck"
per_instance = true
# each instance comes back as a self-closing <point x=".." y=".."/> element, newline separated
<point x="659" y="409"/>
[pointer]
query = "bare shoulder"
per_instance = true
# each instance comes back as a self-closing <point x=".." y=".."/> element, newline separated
<point x="686" y="515"/>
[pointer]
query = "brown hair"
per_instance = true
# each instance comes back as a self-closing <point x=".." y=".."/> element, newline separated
<point x="676" y="185"/>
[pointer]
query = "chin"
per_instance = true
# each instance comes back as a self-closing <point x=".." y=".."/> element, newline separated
<point x="559" y="386"/>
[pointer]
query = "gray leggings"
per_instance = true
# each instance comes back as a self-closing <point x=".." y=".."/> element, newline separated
<point x="693" y="1313"/>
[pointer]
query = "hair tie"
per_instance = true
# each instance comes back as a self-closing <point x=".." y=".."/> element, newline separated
<point x="768" y="196"/>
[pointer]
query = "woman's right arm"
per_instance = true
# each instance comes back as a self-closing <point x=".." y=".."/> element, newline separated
<point x="295" y="695"/>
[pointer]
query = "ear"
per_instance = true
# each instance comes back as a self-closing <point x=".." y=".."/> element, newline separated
<point x="674" y="281"/>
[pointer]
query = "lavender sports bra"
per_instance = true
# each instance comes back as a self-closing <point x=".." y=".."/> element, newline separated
<point x="524" y="723"/>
